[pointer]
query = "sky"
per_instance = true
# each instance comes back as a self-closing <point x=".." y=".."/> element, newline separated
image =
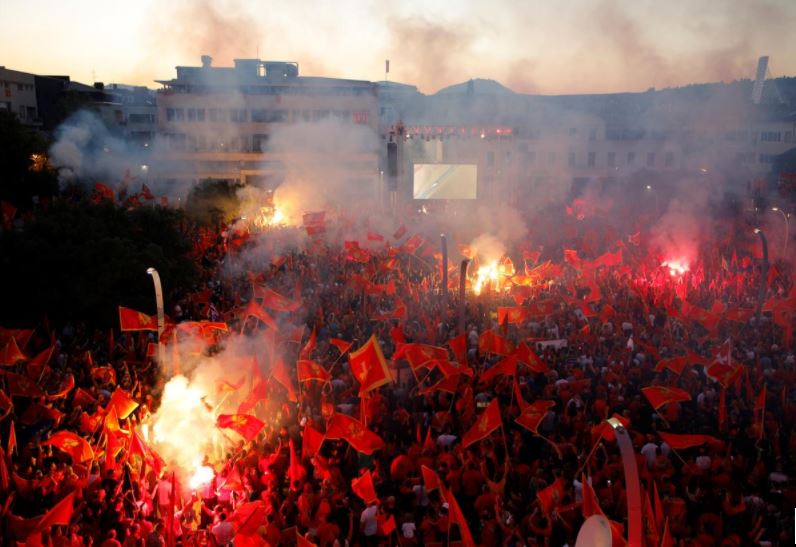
<point x="531" y="46"/>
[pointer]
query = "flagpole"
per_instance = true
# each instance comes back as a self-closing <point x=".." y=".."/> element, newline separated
<point x="444" y="288"/>
<point x="161" y="315"/>
<point x="462" y="296"/>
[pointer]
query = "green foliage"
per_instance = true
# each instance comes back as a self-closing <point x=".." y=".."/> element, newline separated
<point x="79" y="261"/>
<point x="17" y="182"/>
<point x="213" y="202"/>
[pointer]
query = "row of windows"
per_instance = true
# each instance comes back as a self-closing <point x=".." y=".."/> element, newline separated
<point x="201" y="143"/>
<point x="264" y="115"/>
<point x="20" y="87"/>
<point x="765" y="136"/>
<point x="611" y="159"/>
<point x="141" y="118"/>
<point x="313" y="91"/>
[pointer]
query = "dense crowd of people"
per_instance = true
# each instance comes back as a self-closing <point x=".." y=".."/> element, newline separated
<point x="606" y="332"/>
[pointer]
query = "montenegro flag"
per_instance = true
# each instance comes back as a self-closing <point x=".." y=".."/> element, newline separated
<point x="660" y="395"/>
<point x="533" y="414"/>
<point x="357" y="435"/>
<point x="369" y="366"/>
<point x="486" y="423"/>
<point x="245" y="425"/>
<point x="77" y="447"/>
<point x="131" y="320"/>
<point x="310" y="370"/>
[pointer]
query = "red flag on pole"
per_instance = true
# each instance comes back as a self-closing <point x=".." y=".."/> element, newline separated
<point x="310" y="370"/>
<point x="533" y="414"/>
<point x="357" y="435"/>
<point x="311" y="441"/>
<point x="660" y="395"/>
<point x="363" y="487"/>
<point x="245" y="425"/>
<point x="369" y="366"/>
<point x="132" y="320"/>
<point x="551" y="496"/>
<point x="77" y="447"/>
<point x="485" y="424"/>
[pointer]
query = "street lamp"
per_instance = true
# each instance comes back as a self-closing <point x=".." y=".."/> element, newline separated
<point x="787" y="229"/>
<point x="655" y="194"/>
<point x="634" y="528"/>
<point x="761" y="293"/>
<point x="161" y="315"/>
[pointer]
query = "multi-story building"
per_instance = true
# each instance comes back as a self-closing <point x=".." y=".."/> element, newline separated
<point x="18" y="95"/>
<point x="220" y="122"/>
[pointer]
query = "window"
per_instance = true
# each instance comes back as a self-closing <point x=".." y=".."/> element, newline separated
<point x="237" y="115"/>
<point x="651" y="159"/>
<point x="610" y="159"/>
<point x="179" y="114"/>
<point x="591" y="159"/>
<point x="143" y="118"/>
<point x="631" y="158"/>
<point x="218" y="115"/>
<point x="191" y="114"/>
<point x="770" y="136"/>
<point x="592" y="134"/>
<point x="361" y="117"/>
<point x="170" y="114"/>
<point x="259" y="142"/>
<point x="668" y="159"/>
<point x="571" y="159"/>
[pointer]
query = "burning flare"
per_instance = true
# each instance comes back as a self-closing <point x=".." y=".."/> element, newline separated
<point x="676" y="267"/>
<point x="486" y="276"/>
<point x="202" y="476"/>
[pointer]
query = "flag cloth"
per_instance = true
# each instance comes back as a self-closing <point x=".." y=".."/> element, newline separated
<point x="311" y="441"/>
<point x="386" y="525"/>
<point x="400" y="232"/>
<point x="132" y="320"/>
<point x="363" y="487"/>
<point x="551" y="496"/>
<point x="681" y="442"/>
<point x="275" y="301"/>
<point x="490" y="342"/>
<point x="20" y="386"/>
<point x="253" y="309"/>
<point x="418" y="355"/>
<point x="281" y="375"/>
<point x="675" y="364"/>
<point x="41" y="360"/>
<point x="512" y="315"/>
<point x="12" y="439"/>
<point x="458" y="346"/>
<point x="430" y="478"/>
<point x="506" y="366"/>
<point x="660" y="395"/>
<point x="310" y="370"/>
<point x="122" y="403"/>
<point x="77" y="447"/>
<point x="59" y="515"/>
<point x="457" y="516"/>
<point x="11" y="354"/>
<point x="312" y="341"/>
<point x="295" y="471"/>
<point x="606" y="430"/>
<point x="357" y="435"/>
<point x="533" y="414"/>
<point x="485" y="424"/>
<point x="369" y="366"/>
<point x="341" y="345"/>
<point x="67" y="386"/>
<point x="245" y="425"/>
<point x="527" y="356"/>
<point x="591" y="506"/>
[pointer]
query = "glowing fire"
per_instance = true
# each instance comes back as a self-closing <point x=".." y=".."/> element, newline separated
<point x="269" y="217"/>
<point x="486" y="276"/>
<point x="676" y="267"/>
<point x="201" y="477"/>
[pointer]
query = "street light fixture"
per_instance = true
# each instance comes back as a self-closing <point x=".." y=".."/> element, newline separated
<point x="655" y="194"/>
<point x="787" y="228"/>
<point x="161" y="315"/>
<point x="634" y="526"/>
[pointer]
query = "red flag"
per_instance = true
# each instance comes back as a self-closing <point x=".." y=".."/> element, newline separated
<point x="295" y="472"/>
<point x="281" y="375"/>
<point x="650" y="526"/>
<point x="386" y="525"/>
<point x="310" y="370"/>
<point x="122" y="403"/>
<point x="311" y="441"/>
<point x="430" y="478"/>
<point x="66" y="387"/>
<point x="457" y="516"/>
<point x="341" y="345"/>
<point x="512" y="315"/>
<point x="681" y="442"/>
<point x="458" y="346"/>
<point x="245" y="425"/>
<point x="419" y="355"/>
<point x="675" y="364"/>
<point x="313" y="218"/>
<point x="363" y="487"/>
<point x="59" y="515"/>
<point x="41" y="360"/>
<point x="312" y="341"/>
<point x="591" y="505"/>
<point x="12" y="438"/>
<point x="606" y="431"/>
<point x="760" y="403"/>
<point x="20" y="386"/>
<point x="11" y="354"/>
<point x="77" y="447"/>
<point x="533" y="414"/>
<point x="357" y="435"/>
<point x="506" y="366"/>
<point x="373" y="236"/>
<point x="275" y="301"/>
<point x="132" y="320"/>
<point x="412" y="244"/>
<point x="527" y="356"/>
<point x="369" y="366"/>
<point x="551" y="496"/>
<point x="253" y="309"/>
<point x="400" y="232"/>
<point x="104" y="191"/>
<point x="660" y="395"/>
<point x="489" y="342"/>
<point x="485" y="424"/>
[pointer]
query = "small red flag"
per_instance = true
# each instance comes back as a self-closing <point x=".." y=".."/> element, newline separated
<point x="245" y="425"/>
<point x="275" y="301"/>
<point x="681" y="442"/>
<point x="400" y="232"/>
<point x="533" y="414"/>
<point x="310" y="370"/>
<point x="485" y="424"/>
<point x="550" y="497"/>
<point x="363" y="487"/>
<point x="281" y="375"/>
<point x="12" y="439"/>
<point x="341" y="345"/>
<point x="59" y="515"/>
<point x="506" y="366"/>
<point x="312" y="341"/>
<point x="122" y="403"/>
<point x="20" y="386"/>
<point x="11" y="354"/>
<point x="132" y="320"/>
<point x="311" y="441"/>
<point x="369" y="366"/>
<point x="430" y="478"/>
<point x="77" y="447"/>
<point x="357" y="435"/>
<point x="660" y="395"/>
<point x="527" y="356"/>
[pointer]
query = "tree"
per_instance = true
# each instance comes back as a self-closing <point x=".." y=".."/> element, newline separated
<point x="79" y="261"/>
<point x="18" y="181"/>
<point x="213" y="201"/>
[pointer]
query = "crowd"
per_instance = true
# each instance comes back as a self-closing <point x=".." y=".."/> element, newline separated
<point x="607" y="332"/>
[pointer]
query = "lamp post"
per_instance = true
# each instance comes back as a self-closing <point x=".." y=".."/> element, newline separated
<point x="655" y="195"/>
<point x="161" y="315"/>
<point x="787" y="228"/>
<point x="761" y="293"/>
<point x="634" y="527"/>
<point x="444" y="244"/>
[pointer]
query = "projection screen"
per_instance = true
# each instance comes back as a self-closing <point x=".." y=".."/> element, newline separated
<point x="445" y="181"/>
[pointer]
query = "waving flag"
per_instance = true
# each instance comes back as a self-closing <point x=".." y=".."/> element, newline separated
<point x="369" y="366"/>
<point x="363" y="487"/>
<point x="357" y="435"/>
<point x="310" y="370"/>
<point x="533" y="414"/>
<point x="275" y="301"/>
<point x="341" y="345"/>
<point x="122" y="403"/>
<point x="660" y="395"/>
<point x="311" y="441"/>
<point x="485" y="424"/>
<point x="20" y="386"/>
<point x="550" y="497"/>
<point x="506" y="366"/>
<point x="132" y="320"/>
<point x="245" y="425"/>
<point x="77" y="447"/>
<point x="527" y="356"/>
<point x="681" y="442"/>
<point x="418" y="355"/>
<point x="11" y="354"/>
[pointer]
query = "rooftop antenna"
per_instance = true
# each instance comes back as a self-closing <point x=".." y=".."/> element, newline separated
<point x="386" y="70"/>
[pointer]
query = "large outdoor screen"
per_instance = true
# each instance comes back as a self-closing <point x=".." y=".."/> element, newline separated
<point x="445" y="181"/>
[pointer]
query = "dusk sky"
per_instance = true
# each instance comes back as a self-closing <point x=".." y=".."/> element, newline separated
<point x="549" y="47"/>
